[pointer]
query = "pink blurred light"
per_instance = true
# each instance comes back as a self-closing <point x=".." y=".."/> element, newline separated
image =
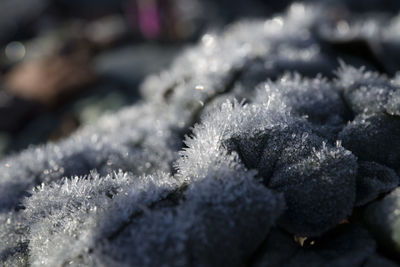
<point x="149" y="18"/>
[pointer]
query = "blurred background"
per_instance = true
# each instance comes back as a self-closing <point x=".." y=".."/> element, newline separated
<point x="63" y="63"/>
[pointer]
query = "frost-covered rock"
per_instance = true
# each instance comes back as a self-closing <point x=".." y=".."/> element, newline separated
<point x="345" y="246"/>
<point x="319" y="190"/>
<point x="366" y="91"/>
<point x="135" y="219"/>
<point x="203" y="223"/>
<point x="88" y="211"/>
<point x="383" y="220"/>
<point x="113" y="143"/>
<point x="374" y="138"/>
<point x="318" y="181"/>
<point x="317" y="99"/>
<point x="374" y="179"/>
